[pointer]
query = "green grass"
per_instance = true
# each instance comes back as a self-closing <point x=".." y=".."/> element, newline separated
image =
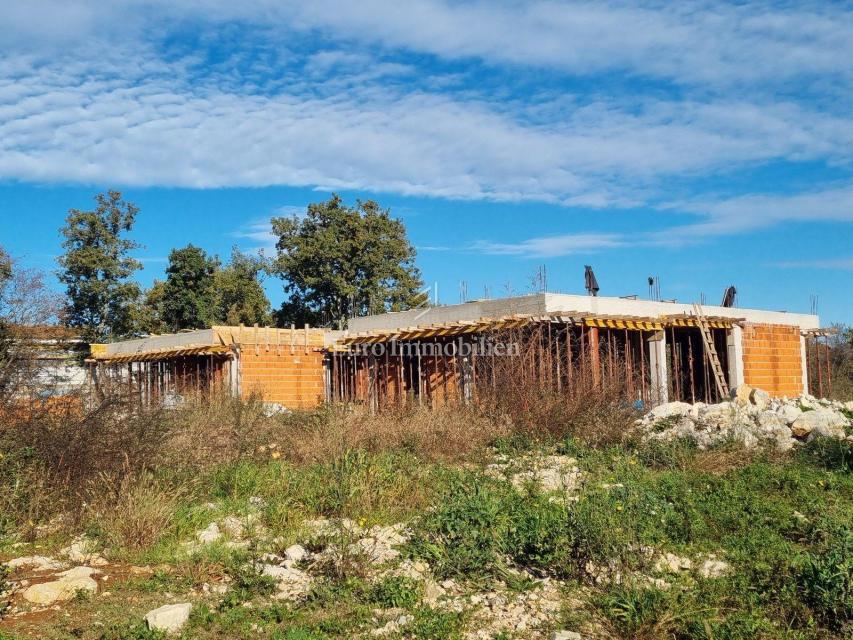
<point x="791" y="573"/>
<point x="784" y="524"/>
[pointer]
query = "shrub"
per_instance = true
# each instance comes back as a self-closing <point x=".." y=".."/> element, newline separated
<point x="596" y="413"/>
<point x="247" y="582"/>
<point x="830" y="453"/>
<point x="540" y="535"/>
<point x="396" y="592"/>
<point x="672" y="454"/>
<point x="638" y="612"/>
<point x="825" y="576"/>
<point x="131" y="631"/>
<point x="465" y="536"/>
<point x="435" y="624"/>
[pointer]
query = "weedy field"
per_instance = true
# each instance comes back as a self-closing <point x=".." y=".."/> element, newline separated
<point x="216" y="521"/>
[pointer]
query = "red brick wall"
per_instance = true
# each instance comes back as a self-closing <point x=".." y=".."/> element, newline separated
<point x="293" y="380"/>
<point x="772" y="359"/>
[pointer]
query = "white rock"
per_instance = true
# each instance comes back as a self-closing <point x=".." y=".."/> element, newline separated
<point x="82" y="551"/>
<point x="233" y="526"/>
<point x="670" y="409"/>
<point x="292" y="583"/>
<point x="169" y="618"/>
<point x="295" y="553"/>
<point x="550" y="473"/>
<point x="669" y="562"/>
<point x="826" y="431"/>
<point x="770" y="421"/>
<point x="69" y="583"/>
<point x="210" y="534"/>
<point x="713" y="568"/>
<point x="271" y="409"/>
<point x="79" y="572"/>
<point x="743" y="394"/>
<point x="285" y="574"/>
<point x="784" y="440"/>
<point x="827" y="422"/>
<point x="566" y="635"/>
<point x="788" y="413"/>
<point x="38" y="563"/>
<point x="761" y="399"/>
<point x="432" y="591"/>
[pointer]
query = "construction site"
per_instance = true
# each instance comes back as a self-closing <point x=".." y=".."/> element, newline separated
<point x="662" y="351"/>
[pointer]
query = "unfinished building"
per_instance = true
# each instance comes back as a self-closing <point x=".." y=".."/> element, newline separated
<point x="284" y="366"/>
<point x="660" y="351"/>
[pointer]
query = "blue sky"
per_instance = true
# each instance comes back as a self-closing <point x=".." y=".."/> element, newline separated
<point x="706" y="143"/>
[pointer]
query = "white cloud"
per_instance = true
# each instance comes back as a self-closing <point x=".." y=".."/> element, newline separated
<point x="553" y="246"/>
<point x="259" y="234"/>
<point x="145" y="127"/>
<point x="290" y="210"/>
<point x="716" y="218"/>
<point x="757" y="211"/>
<point x="841" y="264"/>
<point x="691" y="42"/>
<point x="353" y="110"/>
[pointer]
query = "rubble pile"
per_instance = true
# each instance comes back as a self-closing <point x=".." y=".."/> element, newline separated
<point x="751" y="417"/>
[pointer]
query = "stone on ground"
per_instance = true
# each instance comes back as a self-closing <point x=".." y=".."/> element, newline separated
<point x="69" y="583"/>
<point x="36" y="563"/>
<point x="819" y="422"/>
<point x="83" y="551"/>
<point x="169" y="618"/>
<point x="713" y="568"/>
<point x="750" y="418"/>
<point x="566" y="635"/>
<point x="295" y="553"/>
<point x="292" y="583"/>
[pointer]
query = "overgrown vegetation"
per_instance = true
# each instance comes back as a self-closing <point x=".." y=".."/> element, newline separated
<point x="141" y="483"/>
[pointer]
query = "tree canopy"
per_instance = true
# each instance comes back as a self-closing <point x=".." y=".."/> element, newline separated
<point x="149" y="311"/>
<point x="239" y="295"/>
<point x="199" y="292"/>
<point x="96" y="268"/>
<point x="339" y="261"/>
<point x="188" y="293"/>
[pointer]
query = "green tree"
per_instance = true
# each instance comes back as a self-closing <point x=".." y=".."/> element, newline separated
<point x="240" y="297"/>
<point x="149" y="310"/>
<point x="96" y="268"/>
<point x="338" y="262"/>
<point x="189" y="299"/>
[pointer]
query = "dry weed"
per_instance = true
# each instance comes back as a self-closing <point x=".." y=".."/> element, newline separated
<point x="448" y="433"/>
<point x="134" y="512"/>
<point x="543" y="397"/>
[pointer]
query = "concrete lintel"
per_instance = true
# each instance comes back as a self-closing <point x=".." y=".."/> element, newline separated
<point x="156" y="343"/>
<point x="567" y="304"/>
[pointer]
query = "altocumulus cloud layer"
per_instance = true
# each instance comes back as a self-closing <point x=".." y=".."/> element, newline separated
<point x="597" y="104"/>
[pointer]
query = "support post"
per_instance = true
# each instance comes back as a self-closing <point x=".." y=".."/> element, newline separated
<point x="734" y="347"/>
<point x="657" y="365"/>
<point x="595" y="356"/>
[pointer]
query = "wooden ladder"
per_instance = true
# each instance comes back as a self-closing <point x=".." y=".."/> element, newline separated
<point x="711" y="352"/>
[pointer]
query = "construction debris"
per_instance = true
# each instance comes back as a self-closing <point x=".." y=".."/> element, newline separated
<point x="751" y="417"/>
